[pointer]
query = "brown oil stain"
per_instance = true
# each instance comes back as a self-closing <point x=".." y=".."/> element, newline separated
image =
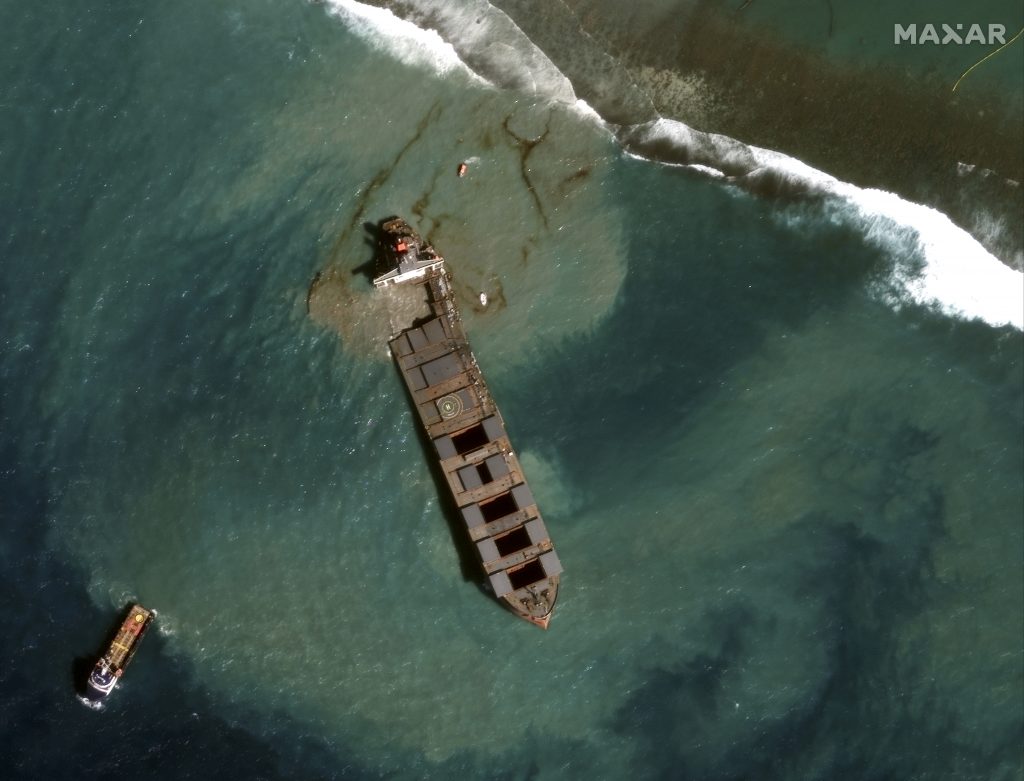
<point x="574" y="179"/>
<point x="526" y="147"/>
<point x="332" y="301"/>
<point x="432" y="115"/>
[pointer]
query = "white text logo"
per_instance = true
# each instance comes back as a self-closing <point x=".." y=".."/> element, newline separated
<point x="949" y="33"/>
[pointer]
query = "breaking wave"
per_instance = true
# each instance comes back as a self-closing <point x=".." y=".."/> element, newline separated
<point x="473" y="36"/>
<point x="957" y="274"/>
<point x="937" y="265"/>
<point x="401" y="39"/>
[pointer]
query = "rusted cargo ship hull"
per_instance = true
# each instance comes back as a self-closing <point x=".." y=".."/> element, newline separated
<point x="455" y="407"/>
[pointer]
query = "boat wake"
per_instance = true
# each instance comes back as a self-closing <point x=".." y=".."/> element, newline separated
<point x="166" y="630"/>
<point x="90" y="704"/>
<point x="937" y="264"/>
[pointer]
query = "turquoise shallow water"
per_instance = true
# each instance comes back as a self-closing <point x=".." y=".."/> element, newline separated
<point x="789" y="510"/>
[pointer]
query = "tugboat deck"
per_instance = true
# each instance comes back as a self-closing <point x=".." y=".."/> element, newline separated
<point x="111" y="665"/>
<point x="128" y="636"/>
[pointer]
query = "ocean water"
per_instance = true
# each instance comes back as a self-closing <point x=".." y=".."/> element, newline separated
<point x="776" y="438"/>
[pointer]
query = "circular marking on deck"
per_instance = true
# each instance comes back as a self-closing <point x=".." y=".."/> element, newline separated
<point x="449" y="406"/>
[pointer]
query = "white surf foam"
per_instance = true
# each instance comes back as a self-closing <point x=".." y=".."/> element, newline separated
<point x="401" y="39"/>
<point x="708" y="170"/>
<point x="958" y="275"/>
<point x="471" y="36"/>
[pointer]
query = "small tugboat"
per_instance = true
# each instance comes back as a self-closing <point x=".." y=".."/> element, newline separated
<point x="454" y="405"/>
<point x="111" y="665"/>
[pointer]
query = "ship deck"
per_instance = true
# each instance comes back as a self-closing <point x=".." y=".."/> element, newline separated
<point x="482" y="470"/>
<point x="128" y="636"/>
